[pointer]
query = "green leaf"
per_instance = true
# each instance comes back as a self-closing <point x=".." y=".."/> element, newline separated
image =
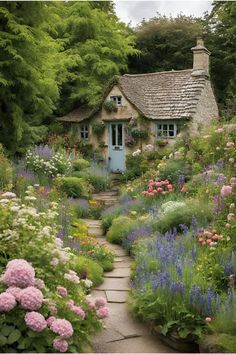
<point x="3" y="340"/>
<point x="183" y="333"/>
<point x="14" y="336"/>
<point x="6" y="330"/>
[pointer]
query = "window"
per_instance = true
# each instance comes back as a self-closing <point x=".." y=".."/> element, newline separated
<point x="117" y="100"/>
<point x="167" y="130"/>
<point x="84" y="131"/>
<point x="117" y="134"/>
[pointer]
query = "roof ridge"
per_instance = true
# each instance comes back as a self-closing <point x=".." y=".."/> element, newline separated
<point x="156" y="73"/>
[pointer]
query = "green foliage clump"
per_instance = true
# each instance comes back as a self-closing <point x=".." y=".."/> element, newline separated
<point x="120" y="227"/>
<point x="172" y="169"/>
<point x="6" y="172"/>
<point x="174" y="213"/>
<point x="135" y="167"/>
<point x="99" y="183"/>
<point x="98" y="129"/>
<point x="88" y="268"/>
<point x="71" y="186"/>
<point x="80" y="164"/>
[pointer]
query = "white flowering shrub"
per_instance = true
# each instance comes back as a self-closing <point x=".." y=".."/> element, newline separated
<point x="46" y="162"/>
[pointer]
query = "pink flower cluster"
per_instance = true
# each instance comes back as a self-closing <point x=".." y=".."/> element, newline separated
<point x="62" y="327"/>
<point x="7" y="302"/>
<point x="31" y="298"/>
<point x="60" y="345"/>
<point x="158" y="187"/>
<point x="226" y="191"/>
<point x="209" y="238"/>
<point x="35" y="321"/>
<point x="19" y="273"/>
<point x="62" y="291"/>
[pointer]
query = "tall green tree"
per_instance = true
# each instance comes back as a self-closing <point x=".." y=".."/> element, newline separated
<point x="220" y="34"/>
<point x="165" y="43"/>
<point x="95" y="45"/>
<point x="28" y="87"/>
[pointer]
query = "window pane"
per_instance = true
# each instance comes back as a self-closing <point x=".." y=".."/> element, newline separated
<point x="120" y="134"/>
<point x="113" y="134"/>
<point x="164" y="126"/>
<point x="171" y="133"/>
<point x="119" y="100"/>
<point x="171" y="126"/>
<point x="164" y="133"/>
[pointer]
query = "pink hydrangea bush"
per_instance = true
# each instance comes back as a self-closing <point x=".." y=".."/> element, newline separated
<point x="31" y="298"/>
<point x="60" y="345"/>
<point x="19" y="273"/>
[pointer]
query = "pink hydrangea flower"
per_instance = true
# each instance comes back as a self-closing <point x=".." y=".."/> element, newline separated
<point x="103" y="312"/>
<point x="60" y="345"/>
<point x="79" y="311"/>
<point x="62" y="327"/>
<point x="14" y="291"/>
<point x="70" y="304"/>
<point x="230" y="144"/>
<point x="62" y="291"/>
<point x="35" y="321"/>
<point x="100" y="302"/>
<point x="225" y="191"/>
<point x="7" y="302"/>
<point x="31" y="298"/>
<point x="39" y="283"/>
<point x="52" y="309"/>
<point x="19" y="273"/>
<point x="50" y="320"/>
<point x="90" y="302"/>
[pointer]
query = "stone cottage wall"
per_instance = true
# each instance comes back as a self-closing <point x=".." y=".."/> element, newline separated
<point x="206" y="110"/>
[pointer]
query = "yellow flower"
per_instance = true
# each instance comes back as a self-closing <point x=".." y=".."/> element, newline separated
<point x="133" y="212"/>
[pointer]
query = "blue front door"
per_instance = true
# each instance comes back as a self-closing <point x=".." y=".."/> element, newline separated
<point x="116" y="147"/>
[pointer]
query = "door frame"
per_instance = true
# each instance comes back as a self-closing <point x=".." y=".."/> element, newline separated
<point x="111" y="149"/>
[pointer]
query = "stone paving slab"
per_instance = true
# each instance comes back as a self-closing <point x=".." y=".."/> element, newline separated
<point x="107" y="335"/>
<point x="118" y="273"/>
<point x="147" y="344"/>
<point x="114" y="284"/>
<point x="98" y="293"/>
<point x="116" y="296"/>
<point x="125" y="264"/>
<point x="122" y="259"/>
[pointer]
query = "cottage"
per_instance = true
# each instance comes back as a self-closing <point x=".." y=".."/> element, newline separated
<point x="148" y="109"/>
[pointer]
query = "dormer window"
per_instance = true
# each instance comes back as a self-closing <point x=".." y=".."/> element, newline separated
<point x="117" y="100"/>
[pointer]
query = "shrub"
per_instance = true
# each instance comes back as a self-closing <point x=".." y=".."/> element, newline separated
<point x="98" y="129"/>
<point x="88" y="268"/>
<point x="5" y="171"/>
<point x="120" y="227"/>
<point x="80" y="164"/>
<point x="172" y="169"/>
<point x="175" y="213"/>
<point x="99" y="183"/>
<point x="72" y="186"/>
<point x="110" y="106"/>
<point x="135" y="167"/>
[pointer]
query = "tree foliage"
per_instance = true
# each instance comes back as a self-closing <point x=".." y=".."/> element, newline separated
<point x="28" y="88"/>
<point x="220" y="34"/>
<point x="54" y="55"/>
<point x="165" y="43"/>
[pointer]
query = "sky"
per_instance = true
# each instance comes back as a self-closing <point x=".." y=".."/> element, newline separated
<point x="134" y="11"/>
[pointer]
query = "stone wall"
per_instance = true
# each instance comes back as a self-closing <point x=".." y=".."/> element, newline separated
<point x="206" y="111"/>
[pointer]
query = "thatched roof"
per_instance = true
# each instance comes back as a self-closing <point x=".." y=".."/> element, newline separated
<point x="78" y="115"/>
<point x="166" y="94"/>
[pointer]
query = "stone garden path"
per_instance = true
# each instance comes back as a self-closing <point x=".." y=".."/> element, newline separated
<point x="123" y="333"/>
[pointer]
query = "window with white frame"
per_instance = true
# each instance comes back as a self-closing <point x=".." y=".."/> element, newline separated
<point x="117" y="100"/>
<point x="167" y="130"/>
<point x="84" y="131"/>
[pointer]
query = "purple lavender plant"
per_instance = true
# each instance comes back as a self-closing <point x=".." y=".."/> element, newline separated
<point x="44" y="151"/>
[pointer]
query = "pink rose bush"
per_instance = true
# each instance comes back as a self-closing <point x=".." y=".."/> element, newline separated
<point x="158" y="187"/>
<point x="209" y="238"/>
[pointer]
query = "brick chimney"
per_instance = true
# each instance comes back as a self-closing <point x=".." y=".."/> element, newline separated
<point x="201" y="57"/>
